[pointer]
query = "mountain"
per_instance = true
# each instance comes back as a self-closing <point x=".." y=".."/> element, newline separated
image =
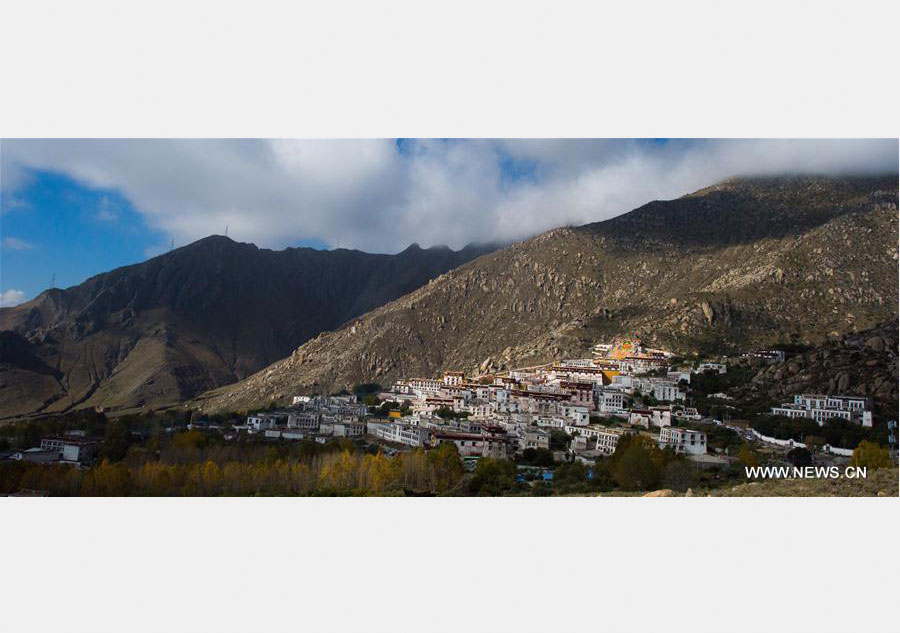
<point x="748" y="262"/>
<point x="201" y="316"/>
<point x="858" y="363"/>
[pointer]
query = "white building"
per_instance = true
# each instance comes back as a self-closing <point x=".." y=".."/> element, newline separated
<point x="348" y="428"/>
<point x="416" y="436"/>
<point x="603" y="438"/>
<point x="533" y="437"/>
<point x="71" y="449"/>
<point x="576" y="414"/>
<point x="822" y="408"/>
<point x="610" y="401"/>
<point x="454" y="377"/>
<point x="683" y="441"/>
<point x="678" y="376"/>
<point x="661" y="416"/>
<point x="640" y="417"/>
<point x="719" y="368"/>
<point x="262" y="421"/>
<point x="304" y="421"/>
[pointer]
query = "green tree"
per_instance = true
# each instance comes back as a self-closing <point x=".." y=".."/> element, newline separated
<point x="493" y="477"/>
<point x="637" y="463"/>
<point x="559" y="440"/>
<point x="537" y="457"/>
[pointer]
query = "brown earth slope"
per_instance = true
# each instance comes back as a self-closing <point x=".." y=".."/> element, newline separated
<point x="201" y="316"/>
<point x="748" y="262"/>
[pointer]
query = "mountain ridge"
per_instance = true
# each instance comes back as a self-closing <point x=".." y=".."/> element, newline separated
<point x="749" y="262"/>
<point x="206" y="314"/>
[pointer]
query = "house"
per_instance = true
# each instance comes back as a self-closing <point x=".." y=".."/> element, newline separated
<point x="678" y="376"/>
<point x="348" y="428"/>
<point x="534" y="437"/>
<point x="666" y="391"/>
<point x="415" y="436"/>
<point x="467" y="444"/>
<point x="421" y="386"/>
<point x="454" y="377"/>
<point x="661" y="416"/>
<point x="610" y="401"/>
<point x="495" y="442"/>
<point x="768" y="355"/>
<point x="304" y="421"/>
<point x="603" y="439"/>
<point x="822" y="408"/>
<point x="683" y="441"/>
<point x="719" y="368"/>
<point x="36" y="455"/>
<point x="640" y="417"/>
<point x="688" y="413"/>
<point x="71" y="449"/>
<point x="262" y="421"/>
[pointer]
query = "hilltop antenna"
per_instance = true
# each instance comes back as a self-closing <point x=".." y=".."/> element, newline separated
<point x="53" y="280"/>
<point x="226" y="230"/>
<point x="172" y="245"/>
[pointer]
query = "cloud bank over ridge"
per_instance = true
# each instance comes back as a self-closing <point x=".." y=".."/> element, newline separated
<point x="381" y="195"/>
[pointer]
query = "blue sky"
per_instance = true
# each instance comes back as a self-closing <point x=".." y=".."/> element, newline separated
<point x="54" y="226"/>
<point x="74" y="208"/>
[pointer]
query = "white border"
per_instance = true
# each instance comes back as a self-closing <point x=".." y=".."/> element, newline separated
<point x="362" y="69"/>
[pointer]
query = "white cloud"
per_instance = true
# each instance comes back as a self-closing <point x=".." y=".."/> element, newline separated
<point x="11" y="297"/>
<point x="373" y="196"/>
<point x="16" y="244"/>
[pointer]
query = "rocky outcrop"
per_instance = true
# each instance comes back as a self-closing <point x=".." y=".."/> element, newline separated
<point x="858" y="363"/>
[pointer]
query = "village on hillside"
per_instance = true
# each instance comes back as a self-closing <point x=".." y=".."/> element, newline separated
<point x="574" y="410"/>
<point x="627" y="418"/>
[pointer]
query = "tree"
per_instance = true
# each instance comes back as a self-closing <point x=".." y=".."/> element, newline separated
<point x="747" y="456"/>
<point x="446" y="466"/>
<point x="537" y="457"/>
<point x="574" y="472"/>
<point x="800" y="457"/>
<point x="680" y="474"/>
<point x="637" y="463"/>
<point x="107" y="480"/>
<point x="814" y="443"/>
<point x="493" y="477"/>
<point x="870" y="455"/>
<point x="559" y="440"/>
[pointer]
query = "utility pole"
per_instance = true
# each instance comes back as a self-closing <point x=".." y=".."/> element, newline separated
<point x="892" y="438"/>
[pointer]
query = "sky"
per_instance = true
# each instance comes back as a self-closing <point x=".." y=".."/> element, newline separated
<point x="72" y="208"/>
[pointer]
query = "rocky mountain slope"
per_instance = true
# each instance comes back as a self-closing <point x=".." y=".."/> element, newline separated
<point x="201" y="316"/>
<point x="859" y="363"/>
<point x="747" y="262"/>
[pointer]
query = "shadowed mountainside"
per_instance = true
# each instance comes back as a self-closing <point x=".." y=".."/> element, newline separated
<point x="201" y="316"/>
